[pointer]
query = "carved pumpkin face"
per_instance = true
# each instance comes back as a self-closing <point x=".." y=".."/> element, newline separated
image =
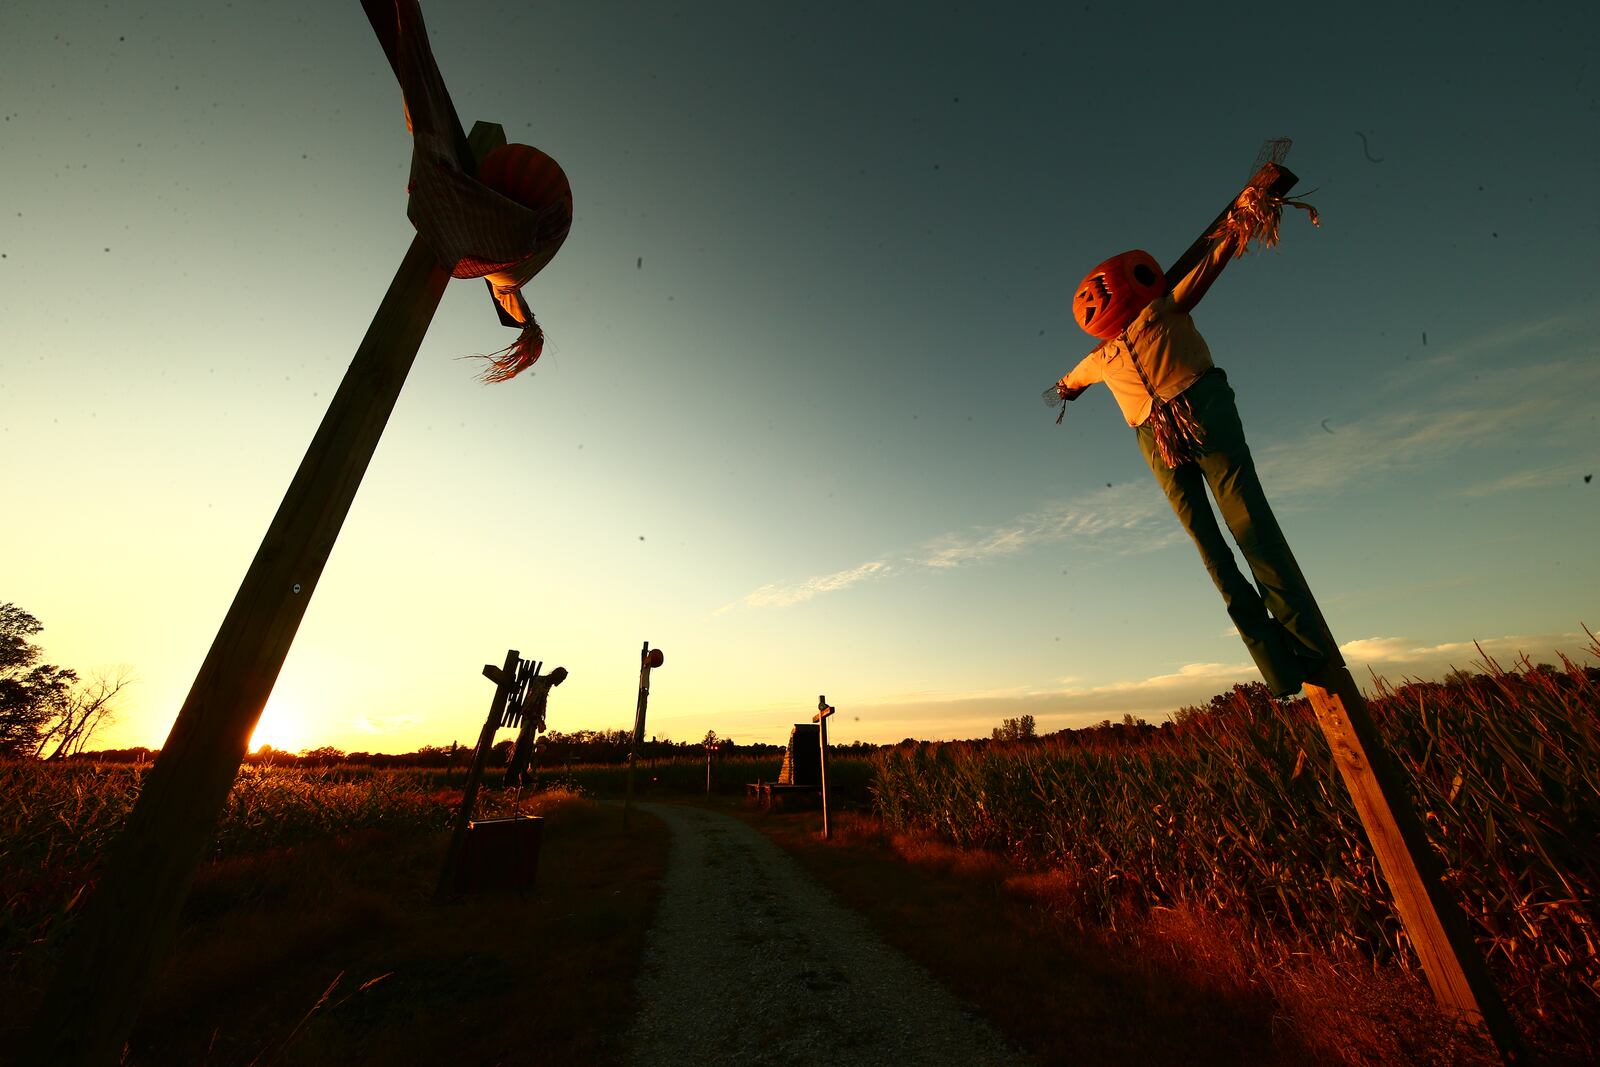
<point x="1116" y="291"/>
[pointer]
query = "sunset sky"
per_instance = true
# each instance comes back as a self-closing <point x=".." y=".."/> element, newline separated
<point x="788" y="424"/>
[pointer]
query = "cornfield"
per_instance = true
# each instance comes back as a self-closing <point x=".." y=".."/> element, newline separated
<point x="1240" y="808"/>
<point x="57" y="819"/>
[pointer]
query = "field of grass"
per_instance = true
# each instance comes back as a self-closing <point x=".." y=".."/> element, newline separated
<point x="1240" y="812"/>
<point x="1169" y="985"/>
<point x="1205" y="886"/>
<point x="311" y="935"/>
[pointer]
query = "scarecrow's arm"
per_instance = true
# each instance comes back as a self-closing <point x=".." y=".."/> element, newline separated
<point x="1193" y="286"/>
<point x="1088" y="371"/>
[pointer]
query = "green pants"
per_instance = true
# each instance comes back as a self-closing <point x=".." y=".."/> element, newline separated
<point x="1277" y="615"/>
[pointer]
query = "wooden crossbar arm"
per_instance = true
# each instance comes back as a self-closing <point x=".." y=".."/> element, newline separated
<point x="1275" y="178"/>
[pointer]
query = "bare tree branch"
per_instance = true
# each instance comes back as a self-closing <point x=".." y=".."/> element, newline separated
<point x="81" y="712"/>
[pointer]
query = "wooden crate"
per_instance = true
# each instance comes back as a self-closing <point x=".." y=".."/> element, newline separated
<point x="501" y="854"/>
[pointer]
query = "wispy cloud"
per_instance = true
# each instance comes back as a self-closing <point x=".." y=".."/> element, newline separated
<point x="1127" y="513"/>
<point x="1426" y="412"/>
<point x="1521" y="480"/>
<point x="1123" y="520"/>
<point x="781" y="595"/>
<point x="1431" y="421"/>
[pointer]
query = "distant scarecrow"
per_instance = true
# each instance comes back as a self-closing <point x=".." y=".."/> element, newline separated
<point x="1160" y="372"/>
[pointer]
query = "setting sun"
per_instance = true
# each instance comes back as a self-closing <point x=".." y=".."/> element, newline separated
<point x="283" y="726"/>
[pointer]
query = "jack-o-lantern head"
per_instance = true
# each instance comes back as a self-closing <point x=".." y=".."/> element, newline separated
<point x="534" y="180"/>
<point x="1117" y="290"/>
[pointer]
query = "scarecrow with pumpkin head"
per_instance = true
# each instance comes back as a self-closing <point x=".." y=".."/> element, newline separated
<point x="1159" y="370"/>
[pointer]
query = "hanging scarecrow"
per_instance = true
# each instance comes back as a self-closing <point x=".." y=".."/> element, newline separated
<point x="503" y="223"/>
<point x="1159" y="370"/>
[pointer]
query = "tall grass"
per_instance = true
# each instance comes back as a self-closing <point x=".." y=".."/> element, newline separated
<point x="1241" y="810"/>
<point x="57" y="819"/>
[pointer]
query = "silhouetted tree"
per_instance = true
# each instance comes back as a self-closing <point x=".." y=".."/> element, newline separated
<point x="1020" y="729"/>
<point x="31" y="693"/>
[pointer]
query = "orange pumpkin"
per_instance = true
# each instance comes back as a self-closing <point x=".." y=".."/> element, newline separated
<point x="522" y="173"/>
<point x="1116" y="291"/>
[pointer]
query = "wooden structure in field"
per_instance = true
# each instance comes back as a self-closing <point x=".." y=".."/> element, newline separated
<point x="468" y="863"/>
<point x="129" y="919"/>
<point x="1435" y="924"/>
<point x="649" y="659"/>
<point x="800" y="776"/>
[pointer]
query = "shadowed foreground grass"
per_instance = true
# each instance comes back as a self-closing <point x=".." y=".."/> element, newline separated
<point x="1173" y="986"/>
<point x="332" y="951"/>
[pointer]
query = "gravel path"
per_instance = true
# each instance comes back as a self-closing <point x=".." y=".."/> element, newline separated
<point x="751" y="962"/>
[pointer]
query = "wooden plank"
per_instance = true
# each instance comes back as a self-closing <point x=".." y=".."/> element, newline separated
<point x="1275" y="178"/>
<point x="821" y="719"/>
<point x="129" y="919"/>
<point x="1434" y="923"/>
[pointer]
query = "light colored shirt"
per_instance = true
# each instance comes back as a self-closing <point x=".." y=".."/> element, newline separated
<point x="1164" y="340"/>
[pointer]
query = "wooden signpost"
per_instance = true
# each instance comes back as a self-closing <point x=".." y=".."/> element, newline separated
<point x="711" y="750"/>
<point x="130" y="917"/>
<point x="648" y="658"/>
<point x="821" y="719"/>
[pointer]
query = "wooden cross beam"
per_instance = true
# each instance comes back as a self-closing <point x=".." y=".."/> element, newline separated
<point x="824" y="709"/>
<point x="1434" y="922"/>
<point x="130" y="917"/>
<point x="1273" y="178"/>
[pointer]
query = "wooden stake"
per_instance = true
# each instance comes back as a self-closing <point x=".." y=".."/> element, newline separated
<point x="131" y="916"/>
<point x="1434" y="923"/>
<point x="638" y="727"/>
<point x="821" y="719"/>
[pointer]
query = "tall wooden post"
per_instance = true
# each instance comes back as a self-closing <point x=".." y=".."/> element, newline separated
<point x="132" y="914"/>
<point x="821" y="719"/>
<point x="505" y="679"/>
<point x="711" y="750"/>
<point x="648" y="658"/>
<point x="1434" y="923"/>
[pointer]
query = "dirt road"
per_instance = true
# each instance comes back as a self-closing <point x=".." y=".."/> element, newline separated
<point x="751" y="962"/>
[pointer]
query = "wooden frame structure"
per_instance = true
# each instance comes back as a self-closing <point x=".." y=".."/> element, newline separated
<point x="131" y="916"/>
<point x="511" y="683"/>
<point x="1434" y="922"/>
